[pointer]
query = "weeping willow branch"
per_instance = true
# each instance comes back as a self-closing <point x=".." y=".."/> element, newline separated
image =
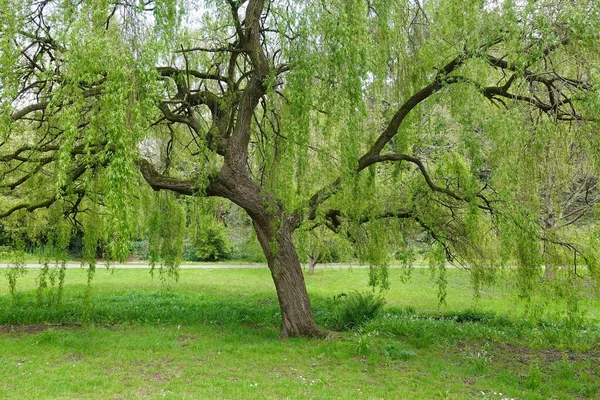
<point x="19" y="114"/>
<point x="162" y="182"/>
<point x="334" y="222"/>
<point x="557" y="99"/>
<point x="410" y="104"/>
<point x="174" y="73"/>
<point x="32" y="206"/>
<point x="325" y="193"/>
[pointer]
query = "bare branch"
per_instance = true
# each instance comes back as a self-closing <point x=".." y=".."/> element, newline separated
<point x="173" y="72"/>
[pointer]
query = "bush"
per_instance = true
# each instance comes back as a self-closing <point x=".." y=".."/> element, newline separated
<point x="139" y="249"/>
<point x="349" y="311"/>
<point x="250" y="250"/>
<point x="210" y="242"/>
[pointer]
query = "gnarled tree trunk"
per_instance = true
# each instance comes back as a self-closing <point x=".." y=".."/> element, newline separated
<point x="296" y="312"/>
<point x="274" y="231"/>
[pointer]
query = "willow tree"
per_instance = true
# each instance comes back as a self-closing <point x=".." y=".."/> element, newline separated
<point x="376" y="119"/>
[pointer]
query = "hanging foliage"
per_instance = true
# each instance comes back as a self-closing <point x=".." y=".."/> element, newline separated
<point x="471" y="126"/>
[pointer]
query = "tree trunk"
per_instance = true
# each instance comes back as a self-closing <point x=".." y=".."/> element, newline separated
<point x="312" y="262"/>
<point x="297" y="318"/>
<point x="273" y="229"/>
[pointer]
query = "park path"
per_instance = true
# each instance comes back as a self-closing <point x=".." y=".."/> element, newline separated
<point x="142" y="265"/>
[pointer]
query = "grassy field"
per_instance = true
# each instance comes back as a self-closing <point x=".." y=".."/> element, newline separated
<point x="214" y="333"/>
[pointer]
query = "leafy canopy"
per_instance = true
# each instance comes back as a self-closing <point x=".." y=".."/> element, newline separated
<point x="457" y="123"/>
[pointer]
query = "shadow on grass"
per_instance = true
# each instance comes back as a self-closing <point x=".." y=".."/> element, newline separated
<point x="261" y="310"/>
<point x="143" y="307"/>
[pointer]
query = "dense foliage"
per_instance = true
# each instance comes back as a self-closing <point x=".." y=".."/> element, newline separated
<point x="469" y="125"/>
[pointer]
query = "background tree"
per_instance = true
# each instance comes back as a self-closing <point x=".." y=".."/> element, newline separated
<point x="373" y="118"/>
<point x="320" y="245"/>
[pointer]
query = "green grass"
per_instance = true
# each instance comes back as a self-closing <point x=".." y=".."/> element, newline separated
<point x="214" y="335"/>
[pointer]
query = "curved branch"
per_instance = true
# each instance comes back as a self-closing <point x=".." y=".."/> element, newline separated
<point x="334" y="223"/>
<point x="29" y="206"/>
<point x="162" y="182"/>
<point x="29" y="109"/>
<point x="424" y="173"/>
<point x="49" y="201"/>
<point x="326" y="192"/>
<point x="19" y="114"/>
<point x="392" y="128"/>
<point x="210" y="50"/>
<point x="172" y="117"/>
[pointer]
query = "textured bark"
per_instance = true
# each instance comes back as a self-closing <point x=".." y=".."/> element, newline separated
<point x="234" y="182"/>
<point x="273" y="228"/>
<point x="296" y="311"/>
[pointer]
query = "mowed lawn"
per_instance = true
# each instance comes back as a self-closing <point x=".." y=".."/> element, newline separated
<point x="213" y="335"/>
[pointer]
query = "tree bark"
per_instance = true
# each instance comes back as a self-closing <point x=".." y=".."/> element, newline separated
<point x="312" y="262"/>
<point x="297" y="318"/>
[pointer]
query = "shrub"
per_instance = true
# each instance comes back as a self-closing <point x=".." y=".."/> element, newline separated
<point x="394" y="352"/>
<point x="210" y="241"/>
<point x="139" y="249"/>
<point x="349" y="311"/>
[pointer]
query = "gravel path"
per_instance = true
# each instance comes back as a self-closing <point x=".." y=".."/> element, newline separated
<point x="142" y="265"/>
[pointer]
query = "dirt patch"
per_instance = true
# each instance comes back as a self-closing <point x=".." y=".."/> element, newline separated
<point x="33" y="328"/>
<point x="185" y="340"/>
<point x="158" y="377"/>
<point x="72" y="357"/>
<point x="544" y="356"/>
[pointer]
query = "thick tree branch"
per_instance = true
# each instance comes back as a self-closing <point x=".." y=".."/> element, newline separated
<point x="29" y="206"/>
<point x="237" y="152"/>
<point x="158" y="181"/>
<point x="74" y="175"/>
<point x="404" y="157"/>
<point x="411" y="103"/>
<point x="334" y="222"/>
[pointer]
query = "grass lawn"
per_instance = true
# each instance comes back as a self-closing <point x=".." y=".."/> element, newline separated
<point x="213" y="335"/>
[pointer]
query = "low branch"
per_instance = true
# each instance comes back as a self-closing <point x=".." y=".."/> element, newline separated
<point x="210" y="50"/>
<point x="29" y="109"/>
<point x="29" y="206"/>
<point x="161" y="182"/>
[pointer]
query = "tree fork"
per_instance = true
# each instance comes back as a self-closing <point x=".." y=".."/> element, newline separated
<point x="274" y="233"/>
